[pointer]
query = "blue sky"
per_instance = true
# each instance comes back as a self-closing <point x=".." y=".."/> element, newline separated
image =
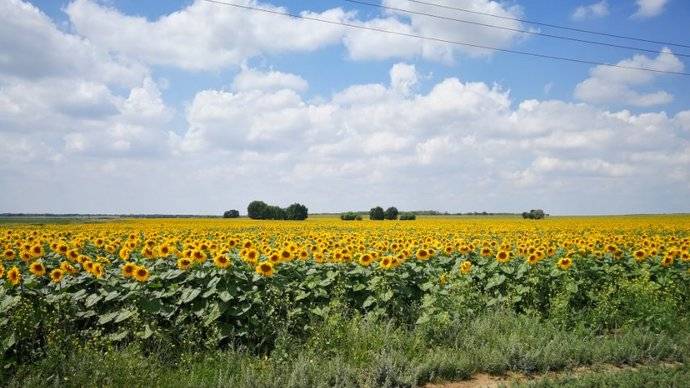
<point x="187" y="95"/>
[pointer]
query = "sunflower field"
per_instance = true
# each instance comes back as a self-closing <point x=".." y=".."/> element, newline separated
<point x="215" y="283"/>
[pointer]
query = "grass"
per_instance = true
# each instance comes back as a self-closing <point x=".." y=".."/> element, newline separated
<point x="367" y="352"/>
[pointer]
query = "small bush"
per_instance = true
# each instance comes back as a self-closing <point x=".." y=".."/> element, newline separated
<point x="408" y="217"/>
<point x="231" y="214"/>
<point x="349" y="216"/>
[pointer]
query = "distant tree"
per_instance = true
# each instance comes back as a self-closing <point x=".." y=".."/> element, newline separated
<point x="274" y="213"/>
<point x="408" y="216"/>
<point x="257" y="210"/>
<point x="534" y="214"/>
<point x="391" y="213"/>
<point x="376" y="213"/>
<point x="296" y="211"/>
<point x="231" y="214"/>
<point x="349" y="216"/>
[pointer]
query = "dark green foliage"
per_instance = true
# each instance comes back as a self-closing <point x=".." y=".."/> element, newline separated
<point x="349" y="216"/>
<point x="296" y="211"/>
<point x="231" y="214"/>
<point x="371" y="352"/>
<point x="391" y="213"/>
<point x="534" y="214"/>
<point x="408" y="217"/>
<point x="377" y="213"/>
<point x="259" y="210"/>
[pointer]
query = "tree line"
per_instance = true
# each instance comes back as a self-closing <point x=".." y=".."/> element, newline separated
<point x="377" y="214"/>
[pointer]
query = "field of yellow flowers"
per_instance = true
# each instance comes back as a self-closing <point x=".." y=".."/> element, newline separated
<point x="217" y="281"/>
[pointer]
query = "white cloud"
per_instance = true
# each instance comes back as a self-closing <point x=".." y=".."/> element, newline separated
<point x="607" y="85"/>
<point x="466" y="133"/>
<point x="403" y="77"/>
<point x="207" y="36"/>
<point x="88" y="125"/>
<point x="362" y="44"/>
<point x="250" y="79"/>
<point x="62" y="95"/>
<point x="25" y="33"/>
<point x="203" y="35"/>
<point x="591" y="11"/>
<point x="649" y="8"/>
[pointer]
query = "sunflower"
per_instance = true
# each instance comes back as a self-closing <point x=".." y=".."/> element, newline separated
<point x="184" y="263"/>
<point x="141" y="274"/>
<point x="67" y="267"/>
<point x="14" y="276"/>
<point x="221" y="261"/>
<point x="667" y="261"/>
<point x="565" y="263"/>
<point x="365" y="260"/>
<point x="532" y="259"/>
<point x="640" y="255"/>
<point x="466" y="267"/>
<point x="386" y="262"/>
<point x="56" y="275"/>
<point x="72" y="254"/>
<point x="252" y="255"/>
<point x="423" y="254"/>
<point x="37" y="250"/>
<point x="503" y="257"/>
<point x="199" y="256"/>
<point x="285" y="255"/>
<point x="37" y="268"/>
<point x="128" y="269"/>
<point x="97" y="270"/>
<point x="2" y="271"/>
<point x="8" y="254"/>
<point x="265" y="268"/>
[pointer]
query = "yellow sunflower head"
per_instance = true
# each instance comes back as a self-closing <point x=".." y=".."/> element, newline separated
<point x="141" y="274"/>
<point x="221" y="261"/>
<point x="37" y="268"/>
<point x="56" y="275"/>
<point x="265" y="268"/>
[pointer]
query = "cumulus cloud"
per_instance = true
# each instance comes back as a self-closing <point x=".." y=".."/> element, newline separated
<point x="467" y="133"/>
<point x="649" y="8"/>
<point x="25" y="33"/>
<point x="607" y="85"/>
<point x="61" y="95"/>
<point x="91" y="132"/>
<point x="362" y="44"/>
<point x="250" y="79"/>
<point x="207" y="36"/>
<point x="591" y="11"/>
<point x="203" y="35"/>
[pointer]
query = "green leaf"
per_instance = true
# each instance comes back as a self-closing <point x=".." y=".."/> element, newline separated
<point x="302" y="295"/>
<point x="123" y="315"/>
<point x="212" y="315"/>
<point x="92" y="300"/>
<point x="387" y="296"/>
<point x="188" y="295"/>
<point x="368" y="302"/>
<point x="116" y="337"/>
<point x="225" y="296"/>
<point x="105" y="318"/>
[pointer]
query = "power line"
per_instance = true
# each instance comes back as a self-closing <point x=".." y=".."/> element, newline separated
<point x="440" y="40"/>
<point x="515" y="29"/>
<point x="550" y="25"/>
